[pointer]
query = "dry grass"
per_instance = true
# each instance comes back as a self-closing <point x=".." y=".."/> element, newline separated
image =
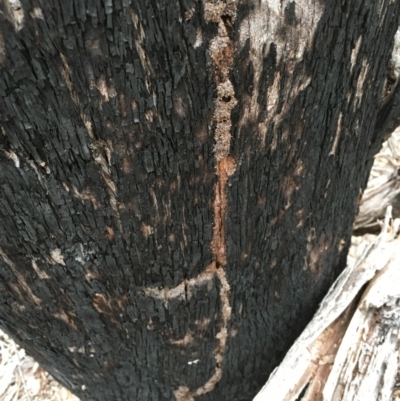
<point x="23" y="379"/>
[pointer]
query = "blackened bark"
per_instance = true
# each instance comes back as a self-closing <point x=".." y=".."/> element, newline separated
<point x="178" y="183"/>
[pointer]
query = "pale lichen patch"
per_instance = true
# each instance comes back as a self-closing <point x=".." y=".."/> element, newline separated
<point x="361" y="78"/>
<point x="103" y="306"/>
<point x="109" y="234"/>
<point x="199" y="39"/>
<point x="140" y="48"/>
<point x="56" y="257"/>
<point x="21" y="281"/>
<point x="154" y="199"/>
<point x="146" y="230"/>
<point x="179" y="106"/>
<point x="183" y="341"/>
<point x="339" y="130"/>
<point x="41" y="274"/>
<point x="16" y="13"/>
<point x="92" y="275"/>
<point x="289" y="189"/>
<point x="300" y="169"/>
<point x="65" y="318"/>
<point x="354" y="53"/>
<point x="37" y="12"/>
<point x="394" y="63"/>
<point x="86" y="194"/>
<point x="202" y="324"/>
<point x="107" y="91"/>
<point x="11" y="155"/>
<point x="300" y="218"/>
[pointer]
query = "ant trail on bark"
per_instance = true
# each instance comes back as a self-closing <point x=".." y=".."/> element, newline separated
<point x="222" y="54"/>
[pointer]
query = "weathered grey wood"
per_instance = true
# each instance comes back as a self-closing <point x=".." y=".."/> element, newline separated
<point x="387" y="121"/>
<point x="178" y="182"/>
<point x="350" y="349"/>
<point x="367" y="362"/>
<point x="381" y="192"/>
<point x="383" y="187"/>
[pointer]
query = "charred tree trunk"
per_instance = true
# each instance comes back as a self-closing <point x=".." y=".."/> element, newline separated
<point x="178" y="182"/>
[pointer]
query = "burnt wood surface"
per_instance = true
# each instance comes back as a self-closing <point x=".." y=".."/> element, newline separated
<point x="178" y="181"/>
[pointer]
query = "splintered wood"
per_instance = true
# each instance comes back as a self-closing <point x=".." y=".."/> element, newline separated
<point x="350" y="349"/>
<point x="383" y="186"/>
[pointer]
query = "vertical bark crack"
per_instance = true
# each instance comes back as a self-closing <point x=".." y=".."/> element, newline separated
<point x="23" y="289"/>
<point x="101" y="151"/>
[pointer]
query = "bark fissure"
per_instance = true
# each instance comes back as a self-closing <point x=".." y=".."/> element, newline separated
<point x="23" y="289"/>
<point x="139" y="44"/>
<point x="101" y="150"/>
